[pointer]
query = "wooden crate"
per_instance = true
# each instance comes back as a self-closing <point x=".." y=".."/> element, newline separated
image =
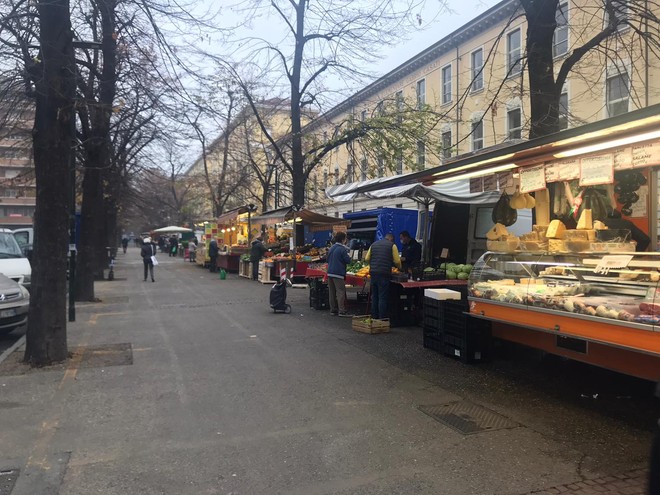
<point x="367" y="324"/>
<point x="245" y="269"/>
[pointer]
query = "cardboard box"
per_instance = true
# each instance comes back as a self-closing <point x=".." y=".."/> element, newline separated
<point x="442" y="294"/>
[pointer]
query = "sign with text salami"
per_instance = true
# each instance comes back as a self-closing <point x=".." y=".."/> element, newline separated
<point x="490" y="183"/>
<point x="645" y="155"/>
<point x="505" y="180"/>
<point x="532" y="179"/>
<point x="561" y="170"/>
<point x="597" y="169"/>
<point x="623" y="159"/>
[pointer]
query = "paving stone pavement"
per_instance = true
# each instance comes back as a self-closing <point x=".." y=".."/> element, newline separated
<point x="630" y="483"/>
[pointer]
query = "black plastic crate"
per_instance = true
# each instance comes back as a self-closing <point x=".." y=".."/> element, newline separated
<point x="471" y="344"/>
<point x="362" y="297"/>
<point x="319" y="299"/>
<point x="317" y="284"/>
<point x="434" y="343"/>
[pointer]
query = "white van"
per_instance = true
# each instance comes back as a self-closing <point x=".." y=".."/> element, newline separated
<point x="13" y="264"/>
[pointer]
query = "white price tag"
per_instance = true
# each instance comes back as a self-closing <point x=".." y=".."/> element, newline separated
<point x="612" y="262"/>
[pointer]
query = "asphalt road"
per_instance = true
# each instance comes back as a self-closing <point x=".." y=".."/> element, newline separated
<point x="225" y="397"/>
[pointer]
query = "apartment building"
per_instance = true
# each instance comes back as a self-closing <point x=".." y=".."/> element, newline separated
<point x="475" y="80"/>
<point x="250" y="165"/>
<point x="17" y="182"/>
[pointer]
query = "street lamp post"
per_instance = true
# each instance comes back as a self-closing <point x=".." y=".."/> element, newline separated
<point x="251" y="208"/>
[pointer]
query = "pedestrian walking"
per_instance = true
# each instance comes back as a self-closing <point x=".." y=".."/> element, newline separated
<point x="148" y="253"/>
<point x="382" y="256"/>
<point x="213" y="255"/>
<point x="338" y="258"/>
<point x="174" y="244"/>
<point x="124" y="243"/>
<point x="257" y="251"/>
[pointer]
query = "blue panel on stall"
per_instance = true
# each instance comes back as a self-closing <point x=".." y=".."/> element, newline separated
<point x="392" y="220"/>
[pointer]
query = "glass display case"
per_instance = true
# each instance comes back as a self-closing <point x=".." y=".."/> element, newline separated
<point x="619" y="288"/>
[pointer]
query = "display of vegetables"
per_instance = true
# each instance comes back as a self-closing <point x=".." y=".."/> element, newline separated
<point x="455" y="271"/>
<point x="503" y="213"/>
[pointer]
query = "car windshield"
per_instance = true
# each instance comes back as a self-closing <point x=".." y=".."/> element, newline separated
<point x="9" y="247"/>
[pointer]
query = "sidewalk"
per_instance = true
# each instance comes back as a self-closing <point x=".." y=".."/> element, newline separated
<point x="191" y="385"/>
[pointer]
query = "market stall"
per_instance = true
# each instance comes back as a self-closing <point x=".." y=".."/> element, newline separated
<point x="581" y="281"/>
<point x="232" y="237"/>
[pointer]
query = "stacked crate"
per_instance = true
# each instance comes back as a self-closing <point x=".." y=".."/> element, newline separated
<point x="449" y="329"/>
<point x="401" y="306"/>
<point x="319" y="295"/>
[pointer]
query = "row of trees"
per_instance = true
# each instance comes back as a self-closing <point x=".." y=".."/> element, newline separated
<point x="109" y="70"/>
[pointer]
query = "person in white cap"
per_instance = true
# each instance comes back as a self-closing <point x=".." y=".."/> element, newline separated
<point x="148" y="250"/>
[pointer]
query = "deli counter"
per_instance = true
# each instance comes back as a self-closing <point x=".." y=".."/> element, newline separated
<point x="595" y="307"/>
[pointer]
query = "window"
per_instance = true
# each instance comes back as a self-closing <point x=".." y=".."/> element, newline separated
<point x="399" y="164"/>
<point x="514" y="123"/>
<point x="618" y="93"/>
<point x="381" y="166"/>
<point x="446" y="144"/>
<point x="350" y="172"/>
<point x="477" y="135"/>
<point x="336" y="175"/>
<point x="380" y="109"/>
<point x="363" y="168"/>
<point x="513" y="53"/>
<point x="315" y="188"/>
<point x="560" y="38"/>
<point x="622" y="10"/>
<point x="398" y="101"/>
<point x="477" y="60"/>
<point x="363" y="115"/>
<point x="421" y="93"/>
<point x="325" y="179"/>
<point x="421" y="154"/>
<point x="446" y="84"/>
<point x="563" y="111"/>
<point x="325" y="136"/>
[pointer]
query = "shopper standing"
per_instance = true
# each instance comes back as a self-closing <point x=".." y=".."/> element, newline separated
<point x="213" y="255"/>
<point x="148" y="250"/>
<point x="382" y="256"/>
<point x="174" y="244"/>
<point x="411" y="253"/>
<point x="257" y="251"/>
<point x="338" y="258"/>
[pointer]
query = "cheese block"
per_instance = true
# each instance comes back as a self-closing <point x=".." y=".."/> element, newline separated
<point x="556" y="230"/>
<point x="572" y="234"/>
<point x="530" y="236"/>
<point x="586" y="220"/>
<point x="598" y="225"/>
<point x="497" y="232"/>
<point x="556" y="245"/>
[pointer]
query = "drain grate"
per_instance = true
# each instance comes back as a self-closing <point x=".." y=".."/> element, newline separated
<point x="8" y="480"/>
<point x="468" y="418"/>
<point x="102" y="356"/>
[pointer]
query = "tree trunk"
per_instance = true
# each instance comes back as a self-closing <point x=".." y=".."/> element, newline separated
<point x="46" y="340"/>
<point x="297" y="158"/>
<point x="225" y="157"/>
<point x="544" y="95"/>
<point x="98" y="158"/>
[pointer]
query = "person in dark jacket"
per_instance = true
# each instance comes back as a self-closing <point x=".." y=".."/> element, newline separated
<point x="174" y="244"/>
<point x="338" y="258"/>
<point x="148" y="250"/>
<point x="411" y="254"/>
<point x="213" y="256"/>
<point x="382" y="256"/>
<point x="257" y="251"/>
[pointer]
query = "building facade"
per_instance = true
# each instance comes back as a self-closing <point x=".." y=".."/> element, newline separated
<point x="475" y="82"/>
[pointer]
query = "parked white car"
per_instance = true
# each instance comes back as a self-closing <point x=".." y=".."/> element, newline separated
<point x="13" y="263"/>
<point x="14" y="305"/>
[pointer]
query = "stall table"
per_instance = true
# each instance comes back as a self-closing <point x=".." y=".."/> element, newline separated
<point x="230" y="262"/>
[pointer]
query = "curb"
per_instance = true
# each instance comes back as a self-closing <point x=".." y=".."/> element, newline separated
<point x="8" y="352"/>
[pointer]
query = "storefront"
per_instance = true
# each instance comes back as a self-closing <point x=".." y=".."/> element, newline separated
<point x="580" y="282"/>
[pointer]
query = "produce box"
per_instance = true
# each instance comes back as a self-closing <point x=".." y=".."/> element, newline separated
<point x="367" y="324"/>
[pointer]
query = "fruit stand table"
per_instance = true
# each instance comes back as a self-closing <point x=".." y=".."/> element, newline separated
<point x="229" y="262"/>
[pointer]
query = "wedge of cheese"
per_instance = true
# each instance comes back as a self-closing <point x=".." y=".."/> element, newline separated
<point x="586" y="220"/>
<point x="497" y="232"/>
<point x="598" y="225"/>
<point x="556" y="230"/>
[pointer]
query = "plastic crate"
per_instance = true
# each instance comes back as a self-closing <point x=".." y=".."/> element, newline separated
<point x="434" y="343"/>
<point x="472" y="343"/>
<point x="319" y="301"/>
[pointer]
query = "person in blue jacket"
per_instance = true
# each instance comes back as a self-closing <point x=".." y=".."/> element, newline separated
<point x="338" y="258"/>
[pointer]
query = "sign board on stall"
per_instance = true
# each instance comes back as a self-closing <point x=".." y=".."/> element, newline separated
<point x="532" y="179"/>
<point x="646" y="155"/>
<point x="505" y="180"/>
<point x="623" y="158"/>
<point x="490" y="183"/>
<point x="477" y="185"/>
<point x="596" y="170"/>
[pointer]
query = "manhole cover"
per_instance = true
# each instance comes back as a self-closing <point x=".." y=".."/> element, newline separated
<point x="102" y="356"/>
<point x="8" y="480"/>
<point x="468" y="418"/>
